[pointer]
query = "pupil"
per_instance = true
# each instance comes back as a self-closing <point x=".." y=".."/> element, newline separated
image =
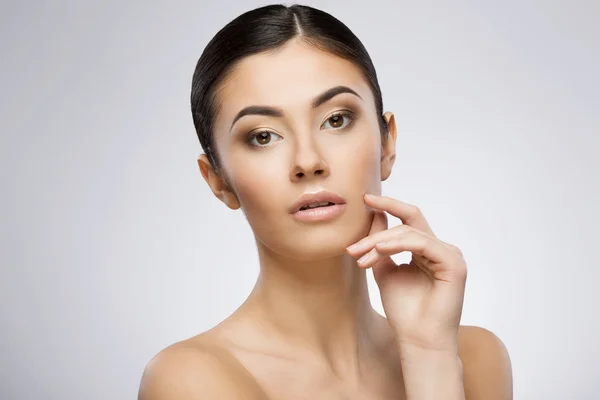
<point x="336" y="121"/>
<point x="263" y="138"/>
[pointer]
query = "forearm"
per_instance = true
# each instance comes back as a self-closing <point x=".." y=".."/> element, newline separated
<point x="431" y="374"/>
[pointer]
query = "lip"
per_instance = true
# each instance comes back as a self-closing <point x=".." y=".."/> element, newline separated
<point x="319" y="214"/>
<point x="320" y="196"/>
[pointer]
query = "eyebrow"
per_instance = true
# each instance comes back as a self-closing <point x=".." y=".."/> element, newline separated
<point x="277" y="112"/>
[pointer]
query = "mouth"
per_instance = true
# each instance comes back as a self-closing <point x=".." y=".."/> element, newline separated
<point x="316" y="205"/>
<point x="320" y="199"/>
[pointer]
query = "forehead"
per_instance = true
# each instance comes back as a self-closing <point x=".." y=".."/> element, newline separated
<point x="287" y="78"/>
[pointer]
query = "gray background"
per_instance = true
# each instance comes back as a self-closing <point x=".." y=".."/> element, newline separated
<point x="113" y="247"/>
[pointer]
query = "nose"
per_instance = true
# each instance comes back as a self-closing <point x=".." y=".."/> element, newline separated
<point x="308" y="163"/>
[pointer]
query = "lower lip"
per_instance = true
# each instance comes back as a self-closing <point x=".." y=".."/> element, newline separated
<point x="319" y="214"/>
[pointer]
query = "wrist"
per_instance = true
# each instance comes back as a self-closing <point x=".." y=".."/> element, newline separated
<point x="431" y="373"/>
<point x="415" y="352"/>
<point x="440" y="344"/>
<point x="432" y="360"/>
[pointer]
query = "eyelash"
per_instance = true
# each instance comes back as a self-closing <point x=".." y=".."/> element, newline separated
<point x="347" y="114"/>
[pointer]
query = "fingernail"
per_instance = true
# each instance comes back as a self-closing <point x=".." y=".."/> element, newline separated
<point x="364" y="258"/>
<point x="370" y="196"/>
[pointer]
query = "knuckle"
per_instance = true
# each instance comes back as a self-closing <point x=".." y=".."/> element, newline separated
<point x="422" y="240"/>
<point x="414" y="210"/>
<point x="402" y="230"/>
<point x="462" y="270"/>
<point x="456" y="250"/>
<point x="411" y="233"/>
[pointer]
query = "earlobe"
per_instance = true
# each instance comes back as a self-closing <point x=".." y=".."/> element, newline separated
<point x="388" y="154"/>
<point x="217" y="183"/>
<point x="230" y="199"/>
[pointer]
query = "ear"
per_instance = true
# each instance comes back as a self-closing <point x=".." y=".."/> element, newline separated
<point x="388" y="154"/>
<point x="219" y="186"/>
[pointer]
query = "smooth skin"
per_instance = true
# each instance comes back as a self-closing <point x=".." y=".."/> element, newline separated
<point x="422" y="299"/>
<point x="307" y="330"/>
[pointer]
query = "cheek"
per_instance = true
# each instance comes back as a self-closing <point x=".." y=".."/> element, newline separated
<point x="358" y="162"/>
<point x="261" y="190"/>
<point x="258" y="184"/>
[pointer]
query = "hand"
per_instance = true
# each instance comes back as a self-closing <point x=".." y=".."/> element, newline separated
<point x="422" y="299"/>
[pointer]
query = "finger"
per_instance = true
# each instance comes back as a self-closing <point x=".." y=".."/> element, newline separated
<point x="367" y="243"/>
<point x="413" y="241"/>
<point x="409" y="214"/>
<point x="383" y="264"/>
<point x="436" y="255"/>
<point x="379" y="223"/>
<point x="373" y="258"/>
<point x="416" y="243"/>
<point x="382" y="268"/>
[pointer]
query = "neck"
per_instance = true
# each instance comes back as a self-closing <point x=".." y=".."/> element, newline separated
<point x="321" y="308"/>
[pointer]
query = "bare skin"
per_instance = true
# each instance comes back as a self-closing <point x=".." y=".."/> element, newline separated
<point x="218" y="364"/>
<point x="307" y="330"/>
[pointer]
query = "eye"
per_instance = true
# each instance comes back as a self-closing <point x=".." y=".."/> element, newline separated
<point x="263" y="139"/>
<point x="339" y="120"/>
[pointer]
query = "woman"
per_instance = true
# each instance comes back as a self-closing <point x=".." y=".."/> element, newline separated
<point x="289" y="112"/>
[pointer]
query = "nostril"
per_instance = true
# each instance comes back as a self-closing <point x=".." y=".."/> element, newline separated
<point x="317" y="172"/>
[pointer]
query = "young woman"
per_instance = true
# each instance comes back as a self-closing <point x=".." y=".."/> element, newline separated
<point x="289" y="113"/>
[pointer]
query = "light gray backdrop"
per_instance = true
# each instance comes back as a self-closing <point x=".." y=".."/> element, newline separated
<point x="113" y="247"/>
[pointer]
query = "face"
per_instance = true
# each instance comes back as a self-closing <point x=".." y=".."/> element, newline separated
<point x="293" y="141"/>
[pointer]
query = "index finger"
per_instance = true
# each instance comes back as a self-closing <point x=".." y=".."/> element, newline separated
<point x="409" y="214"/>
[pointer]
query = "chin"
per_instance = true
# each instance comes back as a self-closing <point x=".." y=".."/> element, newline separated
<point x="316" y="249"/>
<point x="311" y="242"/>
<point x="318" y="243"/>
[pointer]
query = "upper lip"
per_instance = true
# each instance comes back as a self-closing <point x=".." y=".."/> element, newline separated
<point x="309" y="198"/>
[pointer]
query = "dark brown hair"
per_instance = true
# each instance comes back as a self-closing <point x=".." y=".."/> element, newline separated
<point x="265" y="29"/>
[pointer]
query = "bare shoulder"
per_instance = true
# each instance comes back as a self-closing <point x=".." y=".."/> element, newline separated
<point x="487" y="371"/>
<point x="197" y="369"/>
